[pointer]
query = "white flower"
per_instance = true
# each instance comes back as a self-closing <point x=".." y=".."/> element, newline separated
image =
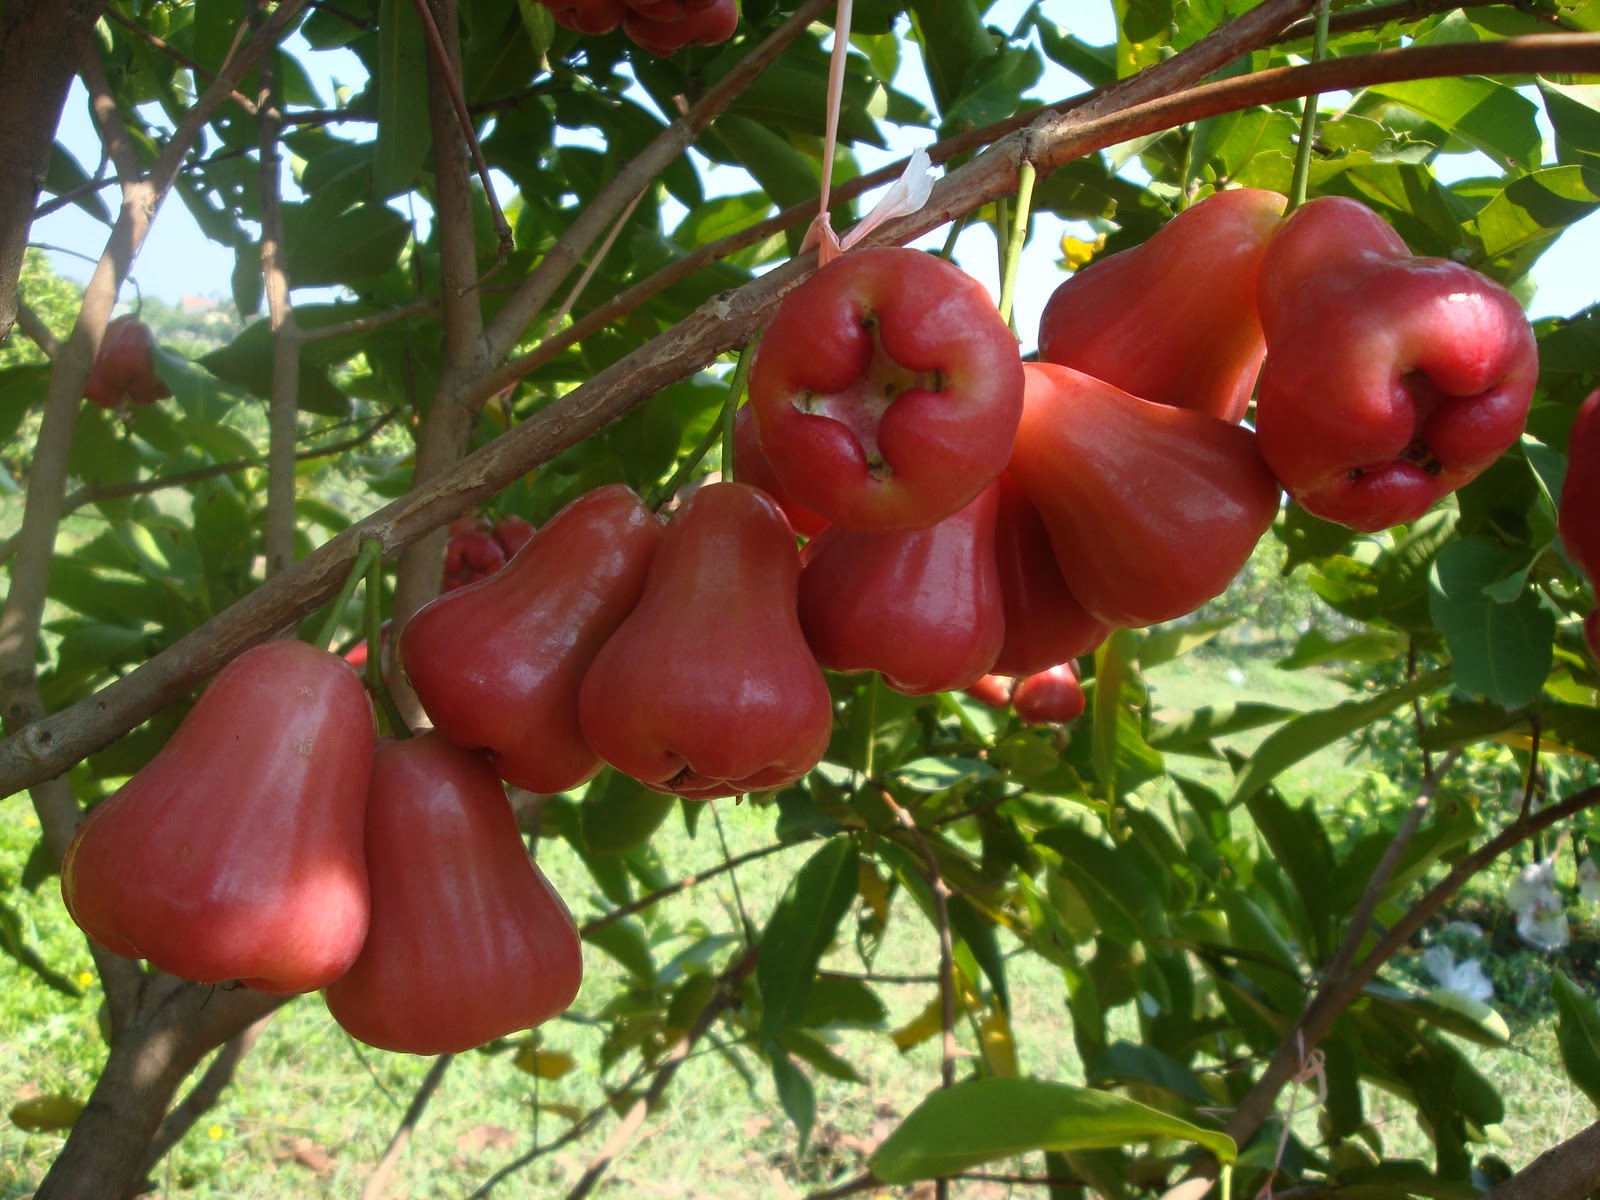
<point x="1541" y="915"/>
<point x="1589" y="881"/>
<point x="1465" y="977"/>
<point x="1532" y="883"/>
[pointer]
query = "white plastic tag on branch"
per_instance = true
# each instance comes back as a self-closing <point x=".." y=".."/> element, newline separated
<point x="904" y="196"/>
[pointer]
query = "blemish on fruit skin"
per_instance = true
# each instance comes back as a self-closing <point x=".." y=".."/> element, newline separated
<point x="305" y="746"/>
<point x="305" y="691"/>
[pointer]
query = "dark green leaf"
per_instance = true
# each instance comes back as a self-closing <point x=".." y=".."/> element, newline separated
<point x="1194" y="732"/>
<point x="795" y="1093"/>
<point x="1305" y="735"/>
<point x="984" y="1119"/>
<point x="1501" y="651"/>
<point x="801" y="928"/>
<point x="403" y="129"/>
<point x="1125" y="901"/>
<point x="620" y="814"/>
<point x="1486" y="114"/>
<point x="1578" y="1034"/>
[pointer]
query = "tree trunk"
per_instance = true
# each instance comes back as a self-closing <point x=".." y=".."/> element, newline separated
<point x="41" y="42"/>
<point x="104" y="1155"/>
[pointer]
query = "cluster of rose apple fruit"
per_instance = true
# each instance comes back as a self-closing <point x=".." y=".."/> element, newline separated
<point x="966" y="514"/>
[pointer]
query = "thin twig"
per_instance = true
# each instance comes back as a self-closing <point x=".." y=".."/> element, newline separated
<point x="115" y="141"/>
<point x="854" y="1187"/>
<point x="177" y="56"/>
<point x="1338" y="993"/>
<point x="378" y="1181"/>
<point x="633" y="179"/>
<point x="504" y="241"/>
<point x="95" y="492"/>
<point x="745" y="924"/>
<point x="728" y="994"/>
<point x="1531" y="784"/>
<point x="947" y="960"/>
<point x="672" y="889"/>
<point x="53" y="743"/>
<point x="1372" y="896"/>
<point x="283" y="412"/>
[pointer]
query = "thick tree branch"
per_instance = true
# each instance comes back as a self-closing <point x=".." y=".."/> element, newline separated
<point x="283" y="414"/>
<point x="115" y="142"/>
<point x="37" y="331"/>
<point x="104" y="1156"/>
<point x="178" y="56"/>
<point x="203" y="1096"/>
<point x="622" y="189"/>
<point x="41" y="45"/>
<point x="1568" y="1171"/>
<point x="54" y="743"/>
<point x="95" y="492"/>
<point x="450" y="76"/>
<point x="446" y="429"/>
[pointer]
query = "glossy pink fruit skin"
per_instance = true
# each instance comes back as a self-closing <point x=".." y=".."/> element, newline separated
<point x="886" y="390"/>
<point x="1391" y="380"/>
<point x="469" y="942"/>
<point x="1045" y="623"/>
<point x="992" y="690"/>
<point x="498" y="663"/>
<point x="236" y="852"/>
<point x="1052" y="697"/>
<point x="1579" y="507"/>
<point x="751" y="466"/>
<point x="708" y="688"/>
<point x="921" y="606"/>
<point x="1151" y="509"/>
<point x="1173" y="320"/>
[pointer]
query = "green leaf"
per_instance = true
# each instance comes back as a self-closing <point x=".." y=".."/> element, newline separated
<point x="801" y="928"/>
<point x="984" y="1119"/>
<point x="625" y="942"/>
<point x="356" y="244"/>
<point x="1578" y="1034"/>
<point x="795" y="1093"/>
<point x="46" y="1114"/>
<point x="1574" y="112"/>
<point x="941" y="774"/>
<point x="1488" y="115"/>
<point x="403" y="128"/>
<point x="1305" y="735"/>
<point x="1520" y="221"/>
<point x="619" y="814"/>
<point x="1501" y="651"/>
<point x="1174" y="641"/>
<point x="1121" y="757"/>
<point x="1126" y="1062"/>
<point x="843" y="1002"/>
<point x="1125" y="901"/>
<point x="953" y="40"/>
<point x="1194" y="732"/>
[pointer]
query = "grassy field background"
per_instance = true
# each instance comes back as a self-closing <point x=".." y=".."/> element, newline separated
<point x="312" y="1111"/>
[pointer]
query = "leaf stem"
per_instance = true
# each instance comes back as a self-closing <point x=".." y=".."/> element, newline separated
<point x="1019" y="237"/>
<point x="1308" y="117"/>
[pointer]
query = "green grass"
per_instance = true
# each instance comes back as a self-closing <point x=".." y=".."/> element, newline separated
<point x="311" y="1112"/>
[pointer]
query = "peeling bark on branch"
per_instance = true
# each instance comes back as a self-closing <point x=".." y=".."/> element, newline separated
<point x="54" y="743"/>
